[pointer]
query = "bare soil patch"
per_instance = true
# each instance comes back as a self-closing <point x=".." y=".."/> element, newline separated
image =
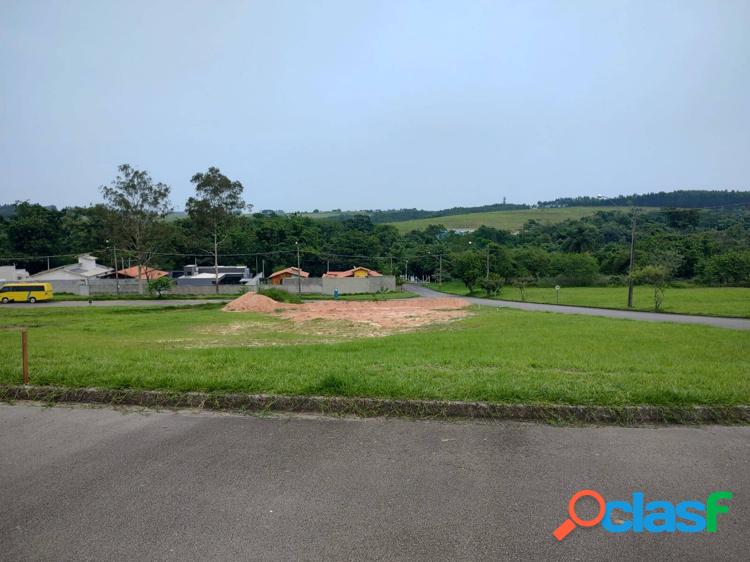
<point x="389" y="315"/>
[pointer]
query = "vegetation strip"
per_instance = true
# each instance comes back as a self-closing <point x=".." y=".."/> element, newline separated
<point x="370" y="407"/>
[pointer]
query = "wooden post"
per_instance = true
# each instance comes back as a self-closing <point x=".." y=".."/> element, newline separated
<point x="25" y="354"/>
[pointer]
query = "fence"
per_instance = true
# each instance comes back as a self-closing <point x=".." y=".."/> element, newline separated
<point x="130" y="287"/>
<point x="345" y="285"/>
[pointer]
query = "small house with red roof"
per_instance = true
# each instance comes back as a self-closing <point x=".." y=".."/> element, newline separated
<point x="278" y="277"/>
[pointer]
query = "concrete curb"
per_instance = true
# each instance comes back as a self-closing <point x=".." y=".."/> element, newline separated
<point x="370" y="407"/>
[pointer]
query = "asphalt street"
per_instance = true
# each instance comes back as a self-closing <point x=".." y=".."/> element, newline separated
<point x="721" y="322"/>
<point x="123" y="302"/>
<point x="85" y="483"/>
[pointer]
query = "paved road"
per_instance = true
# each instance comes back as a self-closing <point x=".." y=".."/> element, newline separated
<point x="124" y="302"/>
<point x="722" y="322"/>
<point x="82" y="483"/>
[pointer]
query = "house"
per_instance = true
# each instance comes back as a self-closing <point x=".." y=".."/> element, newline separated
<point x="354" y="272"/>
<point x="278" y="277"/>
<point x="206" y="275"/>
<point x="147" y="273"/>
<point x="84" y="269"/>
<point x="9" y="274"/>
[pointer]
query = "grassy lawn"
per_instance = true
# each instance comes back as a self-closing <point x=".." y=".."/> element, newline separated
<point x="506" y="220"/>
<point x="712" y="301"/>
<point x="496" y="355"/>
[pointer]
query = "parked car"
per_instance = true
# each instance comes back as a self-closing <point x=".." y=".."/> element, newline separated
<point x="26" y="292"/>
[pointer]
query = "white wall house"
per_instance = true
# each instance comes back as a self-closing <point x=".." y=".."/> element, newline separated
<point x="10" y="274"/>
<point x="69" y="278"/>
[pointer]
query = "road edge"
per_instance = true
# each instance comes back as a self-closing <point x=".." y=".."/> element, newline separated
<point x="385" y="407"/>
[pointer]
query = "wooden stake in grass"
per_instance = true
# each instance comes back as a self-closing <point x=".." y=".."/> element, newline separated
<point x="25" y="355"/>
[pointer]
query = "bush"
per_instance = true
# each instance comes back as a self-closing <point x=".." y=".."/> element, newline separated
<point x="491" y="284"/>
<point x="159" y="285"/>
<point x="280" y="295"/>
<point x="575" y="270"/>
<point x="731" y="268"/>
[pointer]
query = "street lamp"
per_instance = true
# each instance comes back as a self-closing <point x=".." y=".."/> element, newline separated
<point x="117" y="273"/>
<point x="299" y="271"/>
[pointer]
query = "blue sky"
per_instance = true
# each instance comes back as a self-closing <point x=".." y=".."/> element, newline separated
<point x="354" y="105"/>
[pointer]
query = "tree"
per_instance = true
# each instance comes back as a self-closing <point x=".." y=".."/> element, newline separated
<point x="137" y="207"/>
<point x="492" y="284"/>
<point x="217" y="202"/>
<point x="468" y="267"/>
<point x="521" y="283"/>
<point x="657" y="276"/>
<point x="159" y="285"/>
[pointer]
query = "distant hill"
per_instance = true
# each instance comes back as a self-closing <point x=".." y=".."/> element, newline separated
<point x="691" y="199"/>
<point x="397" y="215"/>
<point x="8" y="210"/>
<point x="505" y="220"/>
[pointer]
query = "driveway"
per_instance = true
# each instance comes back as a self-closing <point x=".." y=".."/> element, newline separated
<point x="81" y="483"/>
<point x="722" y="322"/>
<point x="124" y="302"/>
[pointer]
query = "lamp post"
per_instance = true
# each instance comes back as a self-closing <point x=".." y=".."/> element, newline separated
<point x="299" y="272"/>
<point x="117" y="271"/>
<point x="632" y="259"/>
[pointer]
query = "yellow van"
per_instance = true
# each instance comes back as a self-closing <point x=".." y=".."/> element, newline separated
<point x="25" y="292"/>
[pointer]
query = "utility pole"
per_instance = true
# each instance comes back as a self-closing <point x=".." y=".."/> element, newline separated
<point x="406" y="270"/>
<point x="47" y="263"/>
<point x="216" y="263"/>
<point x="264" y="269"/>
<point x="440" y="271"/>
<point x="117" y="271"/>
<point x="299" y="272"/>
<point x="632" y="259"/>
<point x="328" y="266"/>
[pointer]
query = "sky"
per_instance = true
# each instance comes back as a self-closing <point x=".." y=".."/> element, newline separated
<point x="375" y="104"/>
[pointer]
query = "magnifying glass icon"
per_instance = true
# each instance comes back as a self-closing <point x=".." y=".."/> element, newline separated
<point x="569" y="524"/>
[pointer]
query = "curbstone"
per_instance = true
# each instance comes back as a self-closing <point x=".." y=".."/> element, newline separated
<point x="371" y="407"/>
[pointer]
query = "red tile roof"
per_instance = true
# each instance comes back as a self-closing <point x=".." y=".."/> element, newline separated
<point x="350" y="272"/>
<point x="148" y="273"/>
<point x="290" y="271"/>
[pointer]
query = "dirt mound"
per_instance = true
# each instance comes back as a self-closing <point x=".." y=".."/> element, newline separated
<point x="253" y="302"/>
<point x="389" y="315"/>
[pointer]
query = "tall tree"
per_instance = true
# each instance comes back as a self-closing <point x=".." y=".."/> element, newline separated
<point x="217" y="203"/>
<point x="138" y="207"/>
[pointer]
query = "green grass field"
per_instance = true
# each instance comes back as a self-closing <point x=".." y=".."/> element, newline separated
<point x="711" y="301"/>
<point x="496" y="355"/>
<point x="505" y="220"/>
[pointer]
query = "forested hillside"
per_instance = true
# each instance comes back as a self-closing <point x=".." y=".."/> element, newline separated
<point x="709" y="246"/>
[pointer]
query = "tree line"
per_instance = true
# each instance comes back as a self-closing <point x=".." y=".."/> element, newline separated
<point x="710" y="246"/>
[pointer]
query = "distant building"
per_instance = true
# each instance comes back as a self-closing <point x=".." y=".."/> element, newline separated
<point x="84" y="269"/>
<point x="147" y="273"/>
<point x="278" y="277"/>
<point x="206" y="275"/>
<point x="354" y="272"/>
<point x="10" y="274"/>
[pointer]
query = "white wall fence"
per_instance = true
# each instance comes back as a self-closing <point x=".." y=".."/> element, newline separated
<point x="317" y="285"/>
<point x="130" y="287"/>
<point x="345" y="285"/>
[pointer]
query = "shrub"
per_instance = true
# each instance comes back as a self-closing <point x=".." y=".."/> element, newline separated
<point x="159" y="285"/>
<point x="575" y="270"/>
<point x="491" y="284"/>
<point x="280" y="295"/>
